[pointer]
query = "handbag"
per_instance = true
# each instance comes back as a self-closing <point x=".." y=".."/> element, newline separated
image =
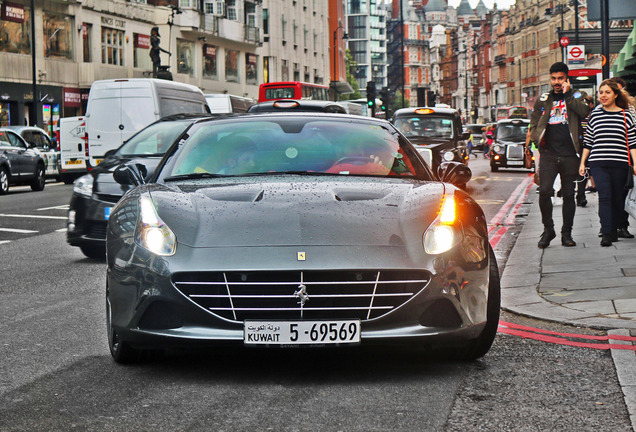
<point x="630" y="173"/>
<point x="630" y="199"/>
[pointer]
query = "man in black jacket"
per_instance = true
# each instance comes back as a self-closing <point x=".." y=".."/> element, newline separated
<point x="555" y="125"/>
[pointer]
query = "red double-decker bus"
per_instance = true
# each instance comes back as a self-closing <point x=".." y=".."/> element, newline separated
<point x="512" y="112"/>
<point x="292" y="90"/>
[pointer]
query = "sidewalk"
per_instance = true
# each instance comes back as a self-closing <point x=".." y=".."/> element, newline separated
<point x="587" y="285"/>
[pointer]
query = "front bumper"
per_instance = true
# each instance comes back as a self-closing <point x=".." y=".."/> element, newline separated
<point x="88" y="219"/>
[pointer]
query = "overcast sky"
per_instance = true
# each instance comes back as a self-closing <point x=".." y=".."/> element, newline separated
<point x="501" y="4"/>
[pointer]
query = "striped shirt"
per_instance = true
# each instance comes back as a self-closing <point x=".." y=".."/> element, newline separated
<point x="605" y="135"/>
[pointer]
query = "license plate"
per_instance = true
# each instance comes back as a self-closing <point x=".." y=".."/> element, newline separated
<point x="73" y="162"/>
<point x="515" y="162"/>
<point x="107" y="212"/>
<point x="301" y="332"/>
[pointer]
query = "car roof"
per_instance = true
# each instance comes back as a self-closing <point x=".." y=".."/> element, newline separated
<point x="296" y="105"/>
<point x="23" y="128"/>
<point x="436" y="110"/>
<point x="298" y="114"/>
<point x="514" y="121"/>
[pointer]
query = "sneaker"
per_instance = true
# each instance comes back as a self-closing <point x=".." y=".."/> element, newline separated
<point x="567" y="240"/>
<point x="606" y="240"/>
<point x="623" y="233"/>
<point x="547" y="236"/>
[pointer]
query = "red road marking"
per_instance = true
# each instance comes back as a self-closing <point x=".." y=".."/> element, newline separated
<point x="515" y="201"/>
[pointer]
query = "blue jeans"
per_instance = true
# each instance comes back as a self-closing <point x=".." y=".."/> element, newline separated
<point x="610" y="179"/>
<point x="551" y="165"/>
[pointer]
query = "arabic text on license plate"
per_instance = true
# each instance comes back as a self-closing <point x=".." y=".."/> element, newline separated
<point x="301" y="332"/>
<point x="107" y="212"/>
<point x="515" y="162"/>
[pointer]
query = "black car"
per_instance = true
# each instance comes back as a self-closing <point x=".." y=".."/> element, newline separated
<point x="298" y="230"/>
<point x="96" y="193"/>
<point x="288" y="105"/>
<point x="436" y="132"/>
<point x="20" y="163"/>
<point x="509" y="147"/>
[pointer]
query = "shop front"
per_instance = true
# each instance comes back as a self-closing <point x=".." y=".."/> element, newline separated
<point x="16" y="105"/>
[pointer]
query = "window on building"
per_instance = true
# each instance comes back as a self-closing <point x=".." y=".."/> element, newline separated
<point x="141" y="51"/>
<point x="58" y="36"/>
<point x="14" y="34"/>
<point x="230" y="10"/>
<point x="283" y="25"/>
<point x="284" y="70"/>
<point x="112" y="46"/>
<point x="251" y="60"/>
<point x="185" y="57"/>
<point x="86" y="33"/>
<point x="231" y="66"/>
<point x="209" y="62"/>
<point x="265" y="21"/>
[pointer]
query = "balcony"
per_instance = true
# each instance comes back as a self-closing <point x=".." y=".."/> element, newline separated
<point x="500" y="59"/>
<point x="209" y="24"/>
<point x="253" y="35"/>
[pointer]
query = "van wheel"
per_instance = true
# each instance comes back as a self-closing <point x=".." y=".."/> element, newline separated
<point x="39" y="180"/>
<point x="4" y="181"/>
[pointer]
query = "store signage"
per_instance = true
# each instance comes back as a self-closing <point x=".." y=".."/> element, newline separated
<point x="72" y="97"/>
<point x="209" y="50"/>
<point x="13" y="12"/>
<point x="142" y="41"/>
<point x="576" y="55"/>
<point x="114" y="22"/>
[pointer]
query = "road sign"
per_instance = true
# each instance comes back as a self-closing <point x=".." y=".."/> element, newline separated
<point x="576" y="55"/>
<point x="564" y="41"/>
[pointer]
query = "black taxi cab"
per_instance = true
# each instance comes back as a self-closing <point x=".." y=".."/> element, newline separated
<point x="509" y="147"/>
<point x="436" y="132"/>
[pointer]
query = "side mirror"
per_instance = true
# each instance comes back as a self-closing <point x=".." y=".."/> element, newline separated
<point x="455" y="173"/>
<point x="130" y="174"/>
<point x="109" y="152"/>
<point x="465" y="135"/>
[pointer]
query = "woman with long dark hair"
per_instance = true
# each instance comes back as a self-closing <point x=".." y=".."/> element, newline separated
<point x="610" y="128"/>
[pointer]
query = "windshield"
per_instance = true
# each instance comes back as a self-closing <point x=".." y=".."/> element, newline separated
<point x="153" y="140"/>
<point x="430" y="126"/>
<point x="291" y="145"/>
<point x="512" y="132"/>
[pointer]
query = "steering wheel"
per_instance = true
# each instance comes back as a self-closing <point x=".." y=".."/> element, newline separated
<point x="354" y="160"/>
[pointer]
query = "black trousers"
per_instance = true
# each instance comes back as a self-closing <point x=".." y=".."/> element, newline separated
<point x="610" y="182"/>
<point x="567" y="167"/>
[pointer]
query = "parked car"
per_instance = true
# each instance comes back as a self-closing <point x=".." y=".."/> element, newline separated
<point x="42" y="142"/>
<point x="436" y="132"/>
<point x="477" y="130"/>
<point x="96" y="193"/>
<point x="298" y="229"/>
<point x="287" y="105"/>
<point x="509" y="148"/>
<point x="20" y="162"/>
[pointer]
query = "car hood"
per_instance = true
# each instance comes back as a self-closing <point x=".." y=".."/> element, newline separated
<point x="385" y="212"/>
<point x="105" y="183"/>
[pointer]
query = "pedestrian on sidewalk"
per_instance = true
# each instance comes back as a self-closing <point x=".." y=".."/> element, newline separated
<point x="623" y="226"/>
<point x="555" y="124"/>
<point x="610" y="131"/>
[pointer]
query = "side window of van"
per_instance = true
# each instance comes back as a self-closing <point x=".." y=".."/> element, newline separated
<point x="178" y="106"/>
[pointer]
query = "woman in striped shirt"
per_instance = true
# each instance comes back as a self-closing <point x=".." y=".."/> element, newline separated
<point x="609" y="129"/>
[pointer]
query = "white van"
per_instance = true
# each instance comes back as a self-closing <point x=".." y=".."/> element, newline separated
<point x="72" y="149"/>
<point x="118" y="108"/>
<point x="228" y="103"/>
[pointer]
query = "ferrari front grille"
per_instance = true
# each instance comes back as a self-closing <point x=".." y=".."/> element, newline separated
<point x="344" y="294"/>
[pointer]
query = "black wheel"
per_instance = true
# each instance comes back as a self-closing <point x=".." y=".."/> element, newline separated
<point x="4" y="181"/>
<point x="121" y="351"/>
<point x="93" y="252"/>
<point x="40" y="180"/>
<point x="480" y="346"/>
<point x="67" y="179"/>
<point x="493" y="167"/>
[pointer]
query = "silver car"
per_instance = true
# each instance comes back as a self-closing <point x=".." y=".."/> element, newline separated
<point x="20" y="162"/>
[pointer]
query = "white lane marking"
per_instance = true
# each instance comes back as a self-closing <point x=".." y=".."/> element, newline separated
<point x="5" y="241"/>
<point x="62" y="230"/>
<point x="60" y="207"/>
<point x="15" y="230"/>
<point x="33" y="216"/>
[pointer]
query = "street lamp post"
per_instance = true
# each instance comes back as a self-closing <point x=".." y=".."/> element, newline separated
<point x="34" y="116"/>
<point x="335" y="51"/>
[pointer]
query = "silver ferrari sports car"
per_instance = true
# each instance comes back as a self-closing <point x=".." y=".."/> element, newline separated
<point x="298" y="230"/>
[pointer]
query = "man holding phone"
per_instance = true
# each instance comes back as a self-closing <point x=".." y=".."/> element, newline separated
<point x="555" y="128"/>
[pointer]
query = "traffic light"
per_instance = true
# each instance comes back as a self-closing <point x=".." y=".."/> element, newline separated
<point x="371" y="94"/>
<point x="385" y="94"/>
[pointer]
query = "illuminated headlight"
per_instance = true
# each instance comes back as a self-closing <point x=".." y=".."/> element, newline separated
<point x="497" y="148"/>
<point x="449" y="156"/>
<point x="152" y="233"/>
<point x="442" y="235"/>
<point x="84" y="185"/>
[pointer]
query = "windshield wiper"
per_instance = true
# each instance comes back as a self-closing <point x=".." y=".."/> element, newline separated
<point x="193" y="176"/>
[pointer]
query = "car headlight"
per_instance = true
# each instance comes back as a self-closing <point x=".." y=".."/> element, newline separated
<point x="84" y="185"/>
<point x="449" y="156"/>
<point x="442" y="235"/>
<point x="153" y="233"/>
<point x="497" y="148"/>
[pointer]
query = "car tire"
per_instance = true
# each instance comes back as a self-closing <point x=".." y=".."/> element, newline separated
<point x="93" y="252"/>
<point x="4" y="181"/>
<point x="68" y="179"/>
<point x="480" y="346"/>
<point x="120" y="350"/>
<point x="40" y="179"/>
<point x="493" y="168"/>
